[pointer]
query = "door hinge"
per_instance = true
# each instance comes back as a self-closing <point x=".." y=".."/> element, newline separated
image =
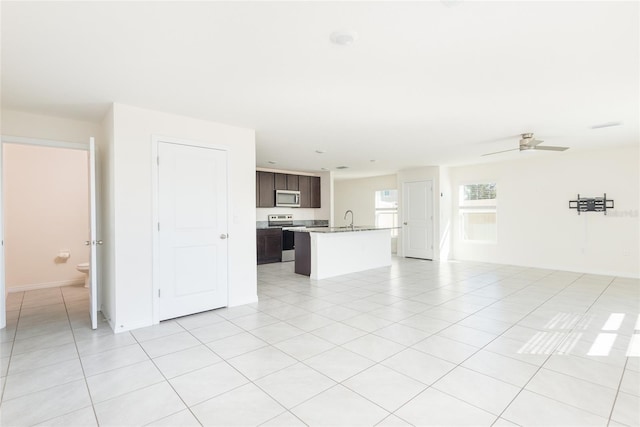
<point x="158" y="226"/>
<point x="158" y="293"/>
<point x="158" y="160"/>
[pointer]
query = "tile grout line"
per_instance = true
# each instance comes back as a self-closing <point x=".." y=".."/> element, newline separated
<point x="375" y="363"/>
<point x="615" y="399"/>
<point x="84" y="377"/>
<point x="483" y="347"/>
<point x="532" y="281"/>
<point x="555" y="348"/>
<point x="250" y="381"/>
<point x="164" y="376"/>
<point x="13" y="343"/>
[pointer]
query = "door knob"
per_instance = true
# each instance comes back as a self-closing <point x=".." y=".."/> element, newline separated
<point x="99" y="242"/>
<point x="224" y="236"/>
<point x="87" y="243"/>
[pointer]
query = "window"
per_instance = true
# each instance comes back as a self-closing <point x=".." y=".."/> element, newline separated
<point x="478" y="213"/>
<point x="387" y="210"/>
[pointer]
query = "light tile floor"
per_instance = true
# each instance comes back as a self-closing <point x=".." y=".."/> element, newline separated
<point x="418" y="343"/>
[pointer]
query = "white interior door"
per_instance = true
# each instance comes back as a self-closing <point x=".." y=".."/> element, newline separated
<point x="417" y="225"/>
<point x="93" y="237"/>
<point x="192" y="229"/>
<point x="3" y="314"/>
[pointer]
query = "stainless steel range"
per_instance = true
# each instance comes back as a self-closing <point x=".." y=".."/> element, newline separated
<point x="285" y="221"/>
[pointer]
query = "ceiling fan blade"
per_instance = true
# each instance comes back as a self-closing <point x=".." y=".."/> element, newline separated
<point x="551" y="148"/>
<point x="498" y="152"/>
<point x="534" y="142"/>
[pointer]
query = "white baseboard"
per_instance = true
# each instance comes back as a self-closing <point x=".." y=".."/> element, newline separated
<point x="34" y="286"/>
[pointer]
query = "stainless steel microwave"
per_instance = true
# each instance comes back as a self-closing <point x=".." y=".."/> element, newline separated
<point x="288" y="198"/>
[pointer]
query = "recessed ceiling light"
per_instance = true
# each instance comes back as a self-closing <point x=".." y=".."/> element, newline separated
<point x="271" y="162"/>
<point x="320" y="151"/>
<point x="606" y="125"/>
<point x="451" y="3"/>
<point x="324" y="169"/>
<point x="342" y="167"/>
<point x="343" y="38"/>
<point x="373" y="160"/>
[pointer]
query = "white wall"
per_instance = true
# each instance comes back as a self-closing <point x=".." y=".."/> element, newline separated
<point x="18" y="123"/>
<point x="426" y="173"/>
<point x="359" y="196"/>
<point x="301" y="214"/>
<point x="132" y="192"/>
<point x="535" y="225"/>
<point x="46" y="209"/>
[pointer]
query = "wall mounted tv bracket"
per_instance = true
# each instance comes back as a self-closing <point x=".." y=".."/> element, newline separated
<point x="591" y="204"/>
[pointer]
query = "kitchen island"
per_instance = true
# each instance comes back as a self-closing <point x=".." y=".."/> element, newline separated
<point x="332" y="251"/>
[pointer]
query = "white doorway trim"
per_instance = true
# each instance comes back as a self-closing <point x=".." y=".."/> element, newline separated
<point x="155" y="141"/>
<point x="45" y="142"/>
<point x="8" y="139"/>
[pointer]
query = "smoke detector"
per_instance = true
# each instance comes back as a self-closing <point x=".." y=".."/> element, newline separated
<point x="343" y="37"/>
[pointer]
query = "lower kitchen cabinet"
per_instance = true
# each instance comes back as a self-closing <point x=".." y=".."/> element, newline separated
<point x="269" y="244"/>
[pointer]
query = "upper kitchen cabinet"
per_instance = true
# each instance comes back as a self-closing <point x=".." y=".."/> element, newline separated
<point x="304" y="183"/>
<point x="280" y="181"/>
<point x="268" y="182"/>
<point x="286" y="182"/>
<point x="309" y="191"/>
<point x="265" y="186"/>
<point x="293" y="182"/>
<point x="315" y="192"/>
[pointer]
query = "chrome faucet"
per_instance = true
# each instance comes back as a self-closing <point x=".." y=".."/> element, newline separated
<point x="345" y="217"/>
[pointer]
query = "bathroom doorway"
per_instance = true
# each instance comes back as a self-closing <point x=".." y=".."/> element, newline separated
<point x="47" y="222"/>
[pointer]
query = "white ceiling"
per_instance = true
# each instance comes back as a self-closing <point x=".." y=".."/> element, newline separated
<point x="426" y="83"/>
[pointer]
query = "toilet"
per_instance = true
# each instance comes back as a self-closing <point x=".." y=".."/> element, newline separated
<point x="83" y="267"/>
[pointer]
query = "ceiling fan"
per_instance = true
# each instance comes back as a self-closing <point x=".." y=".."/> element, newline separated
<point x="528" y="142"/>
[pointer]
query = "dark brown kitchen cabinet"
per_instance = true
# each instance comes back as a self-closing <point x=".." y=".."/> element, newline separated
<point x="303" y="254"/>
<point x="304" y="185"/>
<point x="315" y="192"/>
<point x="285" y="181"/>
<point x="280" y="180"/>
<point x="293" y="182"/>
<point x="268" y="182"/>
<point x="309" y="187"/>
<point x="265" y="186"/>
<point x="269" y="245"/>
